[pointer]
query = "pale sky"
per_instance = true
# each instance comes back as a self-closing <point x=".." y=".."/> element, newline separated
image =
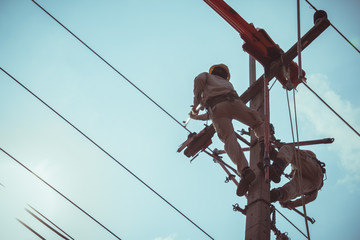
<point x="160" y="46"/>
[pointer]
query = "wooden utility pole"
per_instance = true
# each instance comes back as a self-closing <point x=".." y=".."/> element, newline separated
<point x="258" y="209"/>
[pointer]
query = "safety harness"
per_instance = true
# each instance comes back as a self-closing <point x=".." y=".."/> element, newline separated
<point x="323" y="170"/>
<point x="211" y="102"/>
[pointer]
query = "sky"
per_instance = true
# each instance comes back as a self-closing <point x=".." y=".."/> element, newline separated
<point x="160" y="46"/>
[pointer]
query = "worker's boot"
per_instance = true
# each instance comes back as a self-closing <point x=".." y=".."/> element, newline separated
<point x="277" y="169"/>
<point x="276" y="194"/>
<point x="247" y="176"/>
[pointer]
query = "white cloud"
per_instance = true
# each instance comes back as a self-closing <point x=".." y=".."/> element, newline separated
<point x="351" y="182"/>
<point x="170" y="237"/>
<point x="323" y="123"/>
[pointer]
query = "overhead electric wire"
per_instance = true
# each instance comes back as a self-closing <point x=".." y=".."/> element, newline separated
<point x="58" y="192"/>
<point x="336" y="29"/>
<point x="338" y="115"/>
<point x="297" y="157"/>
<point x="133" y="86"/>
<point x="316" y="93"/>
<point x="142" y="92"/>
<point x="112" y="67"/>
<point x="47" y="219"/>
<point x="32" y="230"/>
<point x="104" y="151"/>
<point x="290" y="222"/>
<point x="46" y="224"/>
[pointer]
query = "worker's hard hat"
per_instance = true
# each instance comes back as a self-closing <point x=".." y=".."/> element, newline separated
<point x="310" y="153"/>
<point x="223" y="66"/>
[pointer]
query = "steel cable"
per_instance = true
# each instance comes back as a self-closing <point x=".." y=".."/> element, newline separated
<point x="112" y="67"/>
<point x="337" y="30"/>
<point x="58" y="192"/>
<point x="104" y="151"/>
<point x="324" y="102"/>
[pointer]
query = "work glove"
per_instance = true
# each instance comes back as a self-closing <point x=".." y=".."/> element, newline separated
<point x="194" y="112"/>
<point x="192" y="115"/>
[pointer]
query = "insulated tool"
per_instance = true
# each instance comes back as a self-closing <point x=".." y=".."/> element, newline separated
<point x="194" y="113"/>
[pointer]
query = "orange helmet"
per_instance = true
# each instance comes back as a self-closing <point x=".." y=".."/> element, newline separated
<point x="223" y="66"/>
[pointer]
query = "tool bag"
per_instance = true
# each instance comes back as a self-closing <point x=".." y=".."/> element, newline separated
<point x="198" y="142"/>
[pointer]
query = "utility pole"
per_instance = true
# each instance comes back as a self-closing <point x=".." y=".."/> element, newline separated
<point x="260" y="46"/>
<point x="258" y="209"/>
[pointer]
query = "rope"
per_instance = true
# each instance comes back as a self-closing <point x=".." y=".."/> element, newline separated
<point x="104" y="151"/>
<point x="62" y="195"/>
<point x="300" y="169"/>
<point x="297" y="154"/>
<point x="297" y="158"/>
<point x="266" y="129"/>
<point x="117" y="71"/>
<point x="299" y="41"/>
<point x="336" y="29"/>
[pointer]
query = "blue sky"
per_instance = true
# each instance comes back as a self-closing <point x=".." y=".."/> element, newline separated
<point x="160" y="46"/>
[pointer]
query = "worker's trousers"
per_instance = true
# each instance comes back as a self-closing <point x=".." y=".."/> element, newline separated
<point x="222" y="115"/>
<point x="311" y="173"/>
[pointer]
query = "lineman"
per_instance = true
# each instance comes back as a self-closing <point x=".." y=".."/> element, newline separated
<point x="312" y="173"/>
<point x="214" y="92"/>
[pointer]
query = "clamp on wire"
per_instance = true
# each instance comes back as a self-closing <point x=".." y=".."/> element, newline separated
<point x="286" y="72"/>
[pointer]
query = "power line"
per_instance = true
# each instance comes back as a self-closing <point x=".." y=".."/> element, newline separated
<point x="142" y="92"/>
<point x="50" y="221"/>
<point x="47" y="225"/>
<point x="104" y="151"/>
<point x="323" y="101"/>
<point x="32" y="230"/>
<point x="290" y="222"/>
<point x="336" y="29"/>
<point x="58" y="192"/>
<point x="107" y="63"/>
<point x="112" y="68"/>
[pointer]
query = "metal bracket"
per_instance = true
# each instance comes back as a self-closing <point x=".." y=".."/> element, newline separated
<point x="237" y="208"/>
<point x="230" y="177"/>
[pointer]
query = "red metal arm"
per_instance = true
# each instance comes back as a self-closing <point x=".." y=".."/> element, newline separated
<point x="257" y="42"/>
